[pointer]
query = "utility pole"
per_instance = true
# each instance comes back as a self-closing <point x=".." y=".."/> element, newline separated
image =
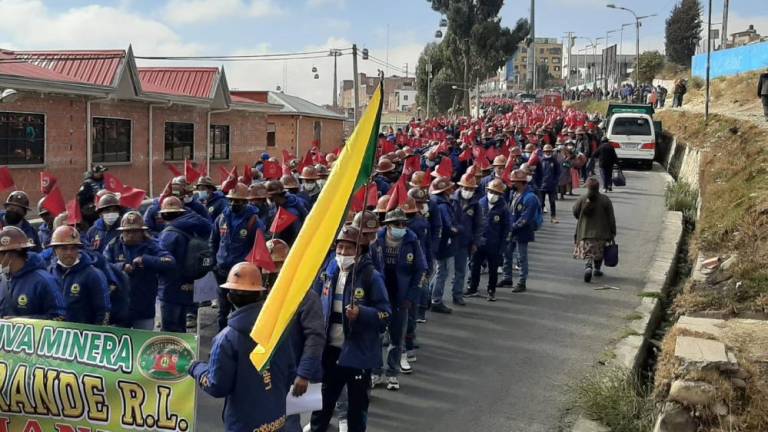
<point x="723" y="37"/>
<point x="477" y="95"/>
<point x="429" y="82"/>
<point x="335" y="53"/>
<point x="406" y="70"/>
<point x="532" y="47"/>
<point x="356" y="82"/>
<point x="569" y="38"/>
<point x="709" y="53"/>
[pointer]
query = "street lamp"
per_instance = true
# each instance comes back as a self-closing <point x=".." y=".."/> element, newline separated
<point x="9" y="95"/>
<point x="637" y="38"/>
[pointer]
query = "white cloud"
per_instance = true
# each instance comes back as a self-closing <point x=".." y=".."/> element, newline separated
<point x="203" y="11"/>
<point x="88" y="27"/>
<point x="324" y="3"/>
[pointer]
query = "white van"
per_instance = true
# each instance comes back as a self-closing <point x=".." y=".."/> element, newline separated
<point x="633" y="135"/>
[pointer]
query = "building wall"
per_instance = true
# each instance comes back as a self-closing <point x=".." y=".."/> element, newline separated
<point x="332" y="134"/>
<point x="65" y="144"/>
<point x="732" y="61"/>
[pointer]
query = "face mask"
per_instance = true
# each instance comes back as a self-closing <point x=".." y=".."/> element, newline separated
<point x="424" y="209"/>
<point x="203" y="195"/>
<point x="467" y="194"/>
<point x="13" y="218"/>
<point x="529" y="178"/>
<point x="5" y="268"/>
<point x="309" y="187"/>
<point x="397" y="233"/>
<point x="320" y="183"/>
<point x="70" y="266"/>
<point x="492" y="197"/>
<point x="110" y="218"/>
<point x="188" y="199"/>
<point x="344" y="261"/>
<point x="527" y="154"/>
<point x="237" y="208"/>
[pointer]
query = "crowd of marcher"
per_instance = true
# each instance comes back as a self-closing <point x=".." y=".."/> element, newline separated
<point x="452" y="196"/>
<point x="655" y="95"/>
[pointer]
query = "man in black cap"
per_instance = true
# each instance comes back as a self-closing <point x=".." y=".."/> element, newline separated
<point x="93" y="182"/>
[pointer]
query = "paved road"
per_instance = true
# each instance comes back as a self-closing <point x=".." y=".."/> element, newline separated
<point x="505" y="366"/>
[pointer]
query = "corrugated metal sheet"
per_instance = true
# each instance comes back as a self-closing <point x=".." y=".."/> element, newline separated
<point x="297" y="105"/>
<point x="27" y="70"/>
<point x="190" y="82"/>
<point x="91" y="67"/>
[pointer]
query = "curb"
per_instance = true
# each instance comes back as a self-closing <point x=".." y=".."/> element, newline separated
<point x="632" y="351"/>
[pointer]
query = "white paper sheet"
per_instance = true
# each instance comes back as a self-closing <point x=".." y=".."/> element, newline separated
<point x="310" y="401"/>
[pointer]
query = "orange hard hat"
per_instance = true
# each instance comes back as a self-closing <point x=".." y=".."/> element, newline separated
<point x="468" y="180"/>
<point x="66" y="235"/>
<point x="244" y="276"/>
<point x="440" y="185"/>
<point x="384" y="165"/>
<point x="381" y="204"/>
<point x="108" y="200"/>
<point x="289" y="182"/>
<point x="410" y="206"/>
<point x="132" y="221"/>
<point x="417" y="179"/>
<point x="366" y="221"/>
<point x="239" y="192"/>
<point x="309" y="173"/>
<point x="496" y="185"/>
<point x="257" y="191"/>
<point x="172" y="204"/>
<point x="13" y="238"/>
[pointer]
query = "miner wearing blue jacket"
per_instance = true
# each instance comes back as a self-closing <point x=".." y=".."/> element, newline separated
<point x="31" y="291"/>
<point x="210" y="198"/>
<point x="499" y="163"/>
<point x="143" y="259"/>
<point x="525" y="208"/>
<point x="496" y="220"/>
<point x="386" y="175"/>
<point x="85" y="287"/>
<point x="470" y="223"/>
<point x="420" y="225"/>
<point x="232" y="238"/>
<point x="547" y="176"/>
<point x="441" y="189"/>
<point x="104" y="230"/>
<point x="181" y="189"/>
<point x="176" y="287"/>
<point x="310" y="188"/>
<point x="403" y="269"/>
<point x="16" y="208"/>
<point x="255" y="401"/>
<point x="45" y="229"/>
<point x="279" y="198"/>
<point x="356" y="309"/>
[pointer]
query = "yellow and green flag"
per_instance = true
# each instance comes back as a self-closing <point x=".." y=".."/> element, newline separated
<point x="352" y="170"/>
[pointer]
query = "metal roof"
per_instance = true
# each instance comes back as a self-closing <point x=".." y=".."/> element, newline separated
<point x="27" y="70"/>
<point x="180" y="81"/>
<point x="99" y="67"/>
<point x="299" y="106"/>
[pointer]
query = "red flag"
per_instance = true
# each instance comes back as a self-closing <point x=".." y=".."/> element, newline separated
<point x="283" y="219"/>
<point x="73" y="213"/>
<point x="427" y="178"/>
<point x="287" y="170"/>
<point x="223" y="174"/>
<point x="203" y="170"/>
<point x="307" y="161"/>
<point x="247" y="174"/>
<point x="271" y="170"/>
<point x="319" y="158"/>
<point x="172" y="168"/>
<point x="465" y="155"/>
<point x="534" y="159"/>
<point x="112" y="183"/>
<point x="411" y="165"/>
<point x="54" y="201"/>
<point x="132" y="198"/>
<point x="190" y="172"/>
<point x="387" y="147"/>
<point x="445" y="169"/>
<point x="398" y="194"/>
<point x="259" y="253"/>
<point x="359" y="201"/>
<point x="491" y="153"/>
<point x="6" y="180"/>
<point x="47" y="182"/>
<point x="287" y="157"/>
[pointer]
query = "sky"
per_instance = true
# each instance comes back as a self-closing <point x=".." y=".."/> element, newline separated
<point x="396" y="30"/>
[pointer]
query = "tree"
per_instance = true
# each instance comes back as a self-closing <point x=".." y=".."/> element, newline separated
<point x="475" y="46"/>
<point x="683" y="32"/>
<point x="651" y="63"/>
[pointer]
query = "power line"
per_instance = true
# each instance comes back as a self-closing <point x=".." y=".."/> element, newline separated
<point x="244" y="56"/>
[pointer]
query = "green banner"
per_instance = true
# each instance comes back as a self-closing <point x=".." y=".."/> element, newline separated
<point x="65" y="377"/>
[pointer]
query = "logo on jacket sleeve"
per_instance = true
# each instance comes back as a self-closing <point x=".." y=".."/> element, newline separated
<point x="211" y="209"/>
<point x="496" y="219"/>
<point x="471" y="212"/>
<point x="409" y="258"/>
<point x="22" y="301"/>
<point x="74" y="289"/>
<point x="243" y="233"/>
<point x="359" y="294"/>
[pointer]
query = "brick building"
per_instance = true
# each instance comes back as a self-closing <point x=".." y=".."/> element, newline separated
<point x="76" y="108"/>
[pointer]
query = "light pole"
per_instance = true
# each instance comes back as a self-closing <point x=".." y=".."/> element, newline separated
<point x="594" y="61"/>
<point x="621" y="49"/>
<point x="637" y="37"/>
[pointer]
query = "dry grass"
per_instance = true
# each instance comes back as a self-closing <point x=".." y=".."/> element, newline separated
<point x="738" y="93"/>
<point x="591" y="106"/>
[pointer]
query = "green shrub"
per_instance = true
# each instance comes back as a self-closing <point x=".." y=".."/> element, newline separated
<point x="680" y="196"/>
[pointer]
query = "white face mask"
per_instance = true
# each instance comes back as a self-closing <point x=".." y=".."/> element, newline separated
<point x="309" y="187"/>
<point x="492" y="197"/>
<point x="5" y="269"/>
<point x="188" y="199"/>
<point x="69" y="266"/>
<point x="203" y="195"/>
<point x="467" y="194"/>
<point x="424" y="209"/>
<point x="321" y="183"/>
<point x="110" y="218"/>
<point x="345" y="262"/>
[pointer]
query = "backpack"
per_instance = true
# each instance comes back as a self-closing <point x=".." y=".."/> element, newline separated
<point x="198" y="259"/>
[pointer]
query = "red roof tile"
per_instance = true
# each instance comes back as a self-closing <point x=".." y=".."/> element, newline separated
<point x="26" y="70"/>
<point x="179" y="81"/>
<point x="91" y="67"/>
